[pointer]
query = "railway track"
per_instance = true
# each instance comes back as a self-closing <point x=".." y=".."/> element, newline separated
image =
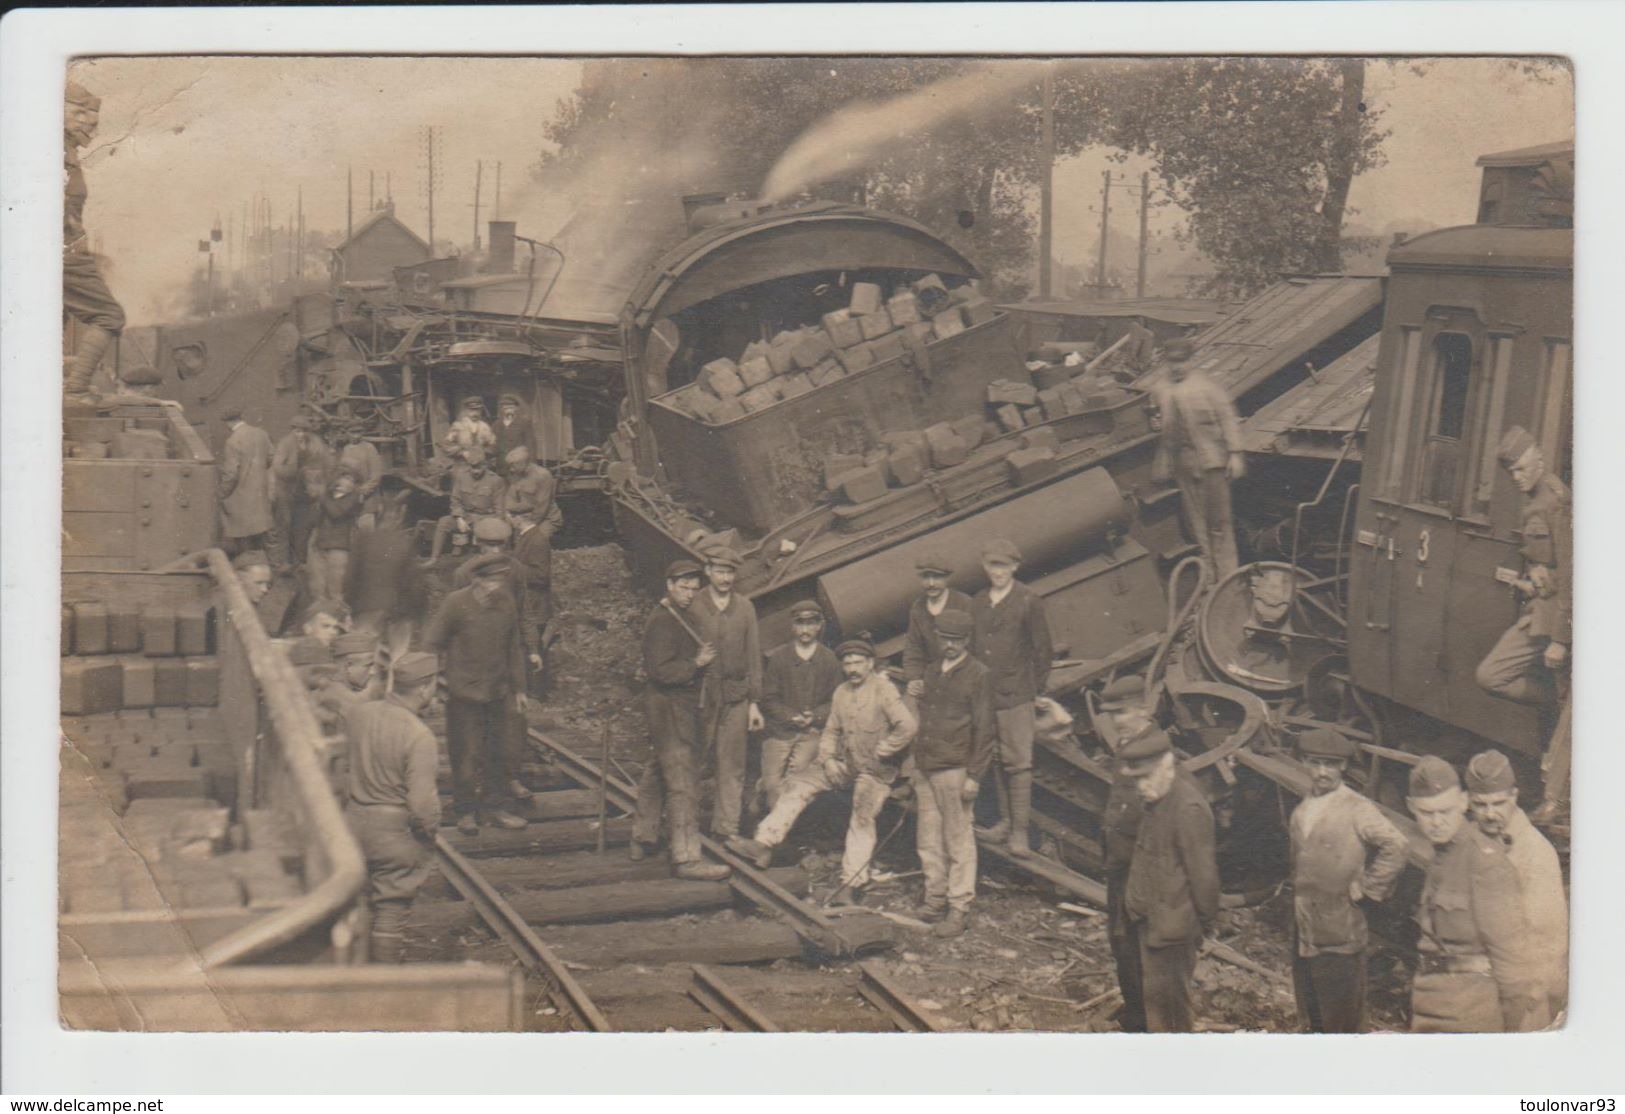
<point x="614" y="945"/>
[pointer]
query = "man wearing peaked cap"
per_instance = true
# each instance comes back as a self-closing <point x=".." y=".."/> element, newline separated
<point x="394" y="806"/>
<point x="512" y="428"/>
<point x="1201" y="450"/>
<point x="675" y="659"/>
<point x="1492" y="799"/>
<point x="299" y="456"/>
<point x="1472" y="922"/>
<point x="469" y="431"/>
<point x="952" y="751"/>
<point x="1012" y="639"/>
<point x="1344" y="852"/>
<point x="733" y="690"/>
<point x="476" y="633"/>
<point x="797" y="684"/>
<point x="921" y="648"/>
<point x="1171" y="899"/>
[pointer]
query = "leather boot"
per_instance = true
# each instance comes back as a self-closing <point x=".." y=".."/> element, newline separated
<point x="1021" y="804"/>
<point x="953" y="924"/>
<point x="79" y="370"/>
<point x="1000" y="832"/>
<point x="700" y="871"/>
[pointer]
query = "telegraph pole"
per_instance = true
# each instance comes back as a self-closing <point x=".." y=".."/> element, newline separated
<point x="479" y="170"/>
<point x="299" y="244"/>
<point x="1145" y="204"/>
<point x="496" y="206"/>
<point x="349" y="202"/>
<point x="1046" y="196"/>
<point x="1105" y="211"/>
<point x="428" y="144"/>
<point x="372" y="198"/>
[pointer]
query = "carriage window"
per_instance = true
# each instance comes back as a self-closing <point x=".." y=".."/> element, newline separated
<point x="1399" y="426"/>
<point x="1495" y="416"/>
<point x="1447" y="418"/>
<point x="1556" y="407"/>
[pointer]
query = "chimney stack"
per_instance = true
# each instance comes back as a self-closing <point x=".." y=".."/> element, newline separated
<point x="501" y="241"/>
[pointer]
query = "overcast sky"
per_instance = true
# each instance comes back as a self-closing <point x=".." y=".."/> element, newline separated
<point x="186" y="139"/>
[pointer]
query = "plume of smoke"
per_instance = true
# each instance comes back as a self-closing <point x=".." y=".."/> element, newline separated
<point x="858" y="136"/>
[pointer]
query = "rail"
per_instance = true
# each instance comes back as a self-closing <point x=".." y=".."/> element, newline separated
<point x="905" y="1013"/>
<point x="505" y="921"/>
<point x="296" y="734"/>
<point x="722" y="1000"/>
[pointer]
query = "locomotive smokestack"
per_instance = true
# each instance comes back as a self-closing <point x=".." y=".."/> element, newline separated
<point x="500" y="261"/>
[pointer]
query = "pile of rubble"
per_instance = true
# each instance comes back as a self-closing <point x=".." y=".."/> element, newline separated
<point x="871" y="330"/>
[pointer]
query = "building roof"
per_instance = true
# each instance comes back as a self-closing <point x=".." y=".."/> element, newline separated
<point x="1488" y="245"/>
<point x="1312" y="418"/>
<point x="1174" y="311"/>
<point x="379" y="217"/>
<point x="1528" y="156"/>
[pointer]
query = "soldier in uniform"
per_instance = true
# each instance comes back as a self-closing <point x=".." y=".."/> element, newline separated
<point x="1492" y="797"/>
<point x="675" y="659"/>
<point x="1522" y="665"/>
<point x="355" y="679"/>
<point x="797" y="685"/>
<point x="1012" y="639"/>
<point x="1345" y="852"/>
<point x="1201" y="449"/>
<point x="1476" y="967"/>
<point x="361" y="457"/>
<point x="1172" y="896"/>
<point x="533" y="485"/>
<point x="476" y="493"/>
<point x="254" y="571"/>
<point x="394" y="808"/>
<point x="1124" y="716"/>
<point x="732" y="707"/>
<point x="921" y="647"/>
<point x="85" y="296"/>
<point x="952" y="752"/>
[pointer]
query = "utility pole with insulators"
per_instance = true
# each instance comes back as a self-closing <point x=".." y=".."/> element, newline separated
<point x="1145" y="205"/>
<point x="429" y="183"/>
<point x="479" y="170"/>
<point x="1105" y="212"/>
<point x="496" y="205"/>
<point x="1046" y="196"/>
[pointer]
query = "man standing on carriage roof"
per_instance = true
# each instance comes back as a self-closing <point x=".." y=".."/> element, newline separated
<point x="85" y="296"/>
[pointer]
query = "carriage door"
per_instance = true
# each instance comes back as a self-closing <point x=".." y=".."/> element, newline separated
<point x="1422" y="527"/>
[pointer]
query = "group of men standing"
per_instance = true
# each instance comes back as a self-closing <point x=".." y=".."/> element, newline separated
<point x="830" y="720"/>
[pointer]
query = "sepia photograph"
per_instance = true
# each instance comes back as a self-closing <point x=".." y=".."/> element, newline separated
<point x="816" y="544"/>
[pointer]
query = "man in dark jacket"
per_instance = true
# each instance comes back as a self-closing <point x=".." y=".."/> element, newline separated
<point x="512" y="429"/>
<point x="732" y="705"/>
<point x="476" y="634"/>
<point x="1124" y="715"/>
<point x="330" y="541"/>
<point x="920" y="646"/>
<point x="385" y="586"/>
<point x="797" y="683"/>
<point x="674" y="662"/>
<point x="533" y="574"/>
<point x="1172" y="897"/>
<point x="952" y="752"/>
<point x="293" y="508"/>
<point x="1012" y="639"/>
<point x="1344" y="852"/>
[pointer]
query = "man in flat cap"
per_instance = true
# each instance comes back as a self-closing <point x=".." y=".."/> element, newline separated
<point x="952" y="752"/>
<point x="1492" y="798"/>
<point x="1172" y="896"/>
<point x="512" y="429"/>
<point x="476" y="634"/>
<point x="469" y="431"/>
<point x="797" y="684"/>
<point x="293" y="505"/>
<point x="1522" y="664"/>
<point x="1011" y="637"/>
<point x="1345" y="852"/>
<point x="1201" y="448"/>
<point x="862" y="746"/>
<point x="921" y="649"/>
<point x="86" y="300"/>
<point x="727" y="620"/>
<point x="476" y="493"/>
<point x="675" y="658"/>
<point x="1124" y="715"/>
<point x="394" y="807"/>
<point x="533" y="576"/>
<point x="245" y="484"/>
<point x="329" y="557"/>
<point x="491" y="535"/>
<point x="530" y="484"/>
<point x="1476" y="971"/>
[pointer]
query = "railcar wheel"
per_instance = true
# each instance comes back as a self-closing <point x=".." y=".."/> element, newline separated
<point x="1267" y="625"/>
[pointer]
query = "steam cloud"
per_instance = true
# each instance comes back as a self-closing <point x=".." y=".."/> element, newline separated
<point x="859" y="135"/>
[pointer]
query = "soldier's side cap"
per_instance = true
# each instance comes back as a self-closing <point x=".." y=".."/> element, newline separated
<point x="492" y="564"/>
<point x="932" y="561"/>
<point x="1490" y="772"/>
<point x="415" y="668"/>
<point x="683" y="567"/>
<point x="1124" y="690"/>
<point x="1321" y="742"/>
<point x="514" y="456"/>
<point x="724" y="555"/>
<point x="1178" y="351"/>
<point x="474" y="455"/>
<point x="79" y="95"/>
<point x="1432" y="776"/>
<point x="250" y="559"/>
<point x="144" y="376"/>
<point x="492" y="529"/>
<point x="1002" y="550"/>
<point x="1151" y="743"/>
<point x="1514" y="443"/>
<point x="855" y="646"/>
<point x="807" y="609"/>
<point x="954" y="623"/>
<point x="356" y="642"/>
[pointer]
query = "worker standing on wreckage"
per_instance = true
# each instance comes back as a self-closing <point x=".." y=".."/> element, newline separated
<point x="85" y="296"/>
<point x="727" y="620"/>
